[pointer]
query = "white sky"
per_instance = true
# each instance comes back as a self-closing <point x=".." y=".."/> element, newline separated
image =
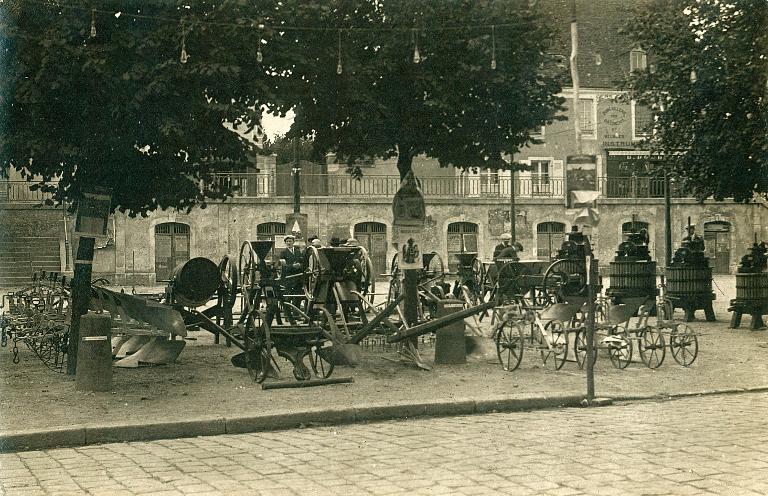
<point x="275" y="126"/>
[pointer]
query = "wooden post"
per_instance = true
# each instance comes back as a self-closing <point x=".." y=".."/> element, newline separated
<point x="94" y="353"/>
<point x="81" y="295"/>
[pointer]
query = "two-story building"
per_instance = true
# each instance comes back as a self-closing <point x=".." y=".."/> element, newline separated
<point x="465" y="211"/>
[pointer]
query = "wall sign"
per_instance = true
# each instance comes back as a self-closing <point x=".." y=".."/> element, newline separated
<point x="93" y="209"/>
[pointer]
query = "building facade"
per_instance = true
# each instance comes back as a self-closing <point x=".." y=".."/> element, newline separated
<point x="466" y="211"/>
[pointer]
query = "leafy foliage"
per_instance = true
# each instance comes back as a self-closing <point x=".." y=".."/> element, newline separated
<point x="707" y="84"/>
<point x="119" y="109"/>
<point x="448" y="104"/>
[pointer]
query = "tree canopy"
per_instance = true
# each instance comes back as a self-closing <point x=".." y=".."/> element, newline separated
<point x="464" y="81"/>
<point x="117" y="107"/>
<point x="707" y="83"/>
<point x="133" y="95"/>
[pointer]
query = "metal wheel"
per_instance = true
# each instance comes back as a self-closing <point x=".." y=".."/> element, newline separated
<point x="651" y="347"/>
<point x="509" y="345"/>
<point x="510" y="280"/>
<point x="394" y="280"/>
<point x="619" y="348"/>
<point x="684" y="345"/>
<point x="580" y="349"/>
<point x="228" y="274"/>
<point x="368" y="278"/>
<point x="256" y="355"/>
<point x="312" y="272"/>
<point x="321" y="360"/>
<point x="478" y="276"/>
<point x="556" y="352"/>
<point x="248" y="266"/>
<point x="565" y="280"/>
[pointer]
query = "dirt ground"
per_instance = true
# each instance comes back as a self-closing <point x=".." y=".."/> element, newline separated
<point x="203" y="382"/>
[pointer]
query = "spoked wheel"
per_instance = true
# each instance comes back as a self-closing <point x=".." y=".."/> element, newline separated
<point x="510" y="280"/>
<point x="555" y="353"/>
<point x="478" y="276"/>
<point x="321" y="359"/>
<point x="256" y="356"/>
<point x="368" y="278"/>
<point x="619" y="348"/>
<point x="565" y="280"/>
<point x="247" y="268"/>
<point x="228" y="274"/>
<point x="509" y="345"/>
<point x="651" y="347"/>
<point x="312" y="272"/>
<point x="580" y="349"/>
<point x="684" y="345"/>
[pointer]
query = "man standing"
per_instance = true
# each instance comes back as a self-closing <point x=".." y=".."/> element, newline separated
<point x="292" y="261"/>
<point x="506" y="242"/>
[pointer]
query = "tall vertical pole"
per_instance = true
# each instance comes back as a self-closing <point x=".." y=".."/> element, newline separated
<point x="575" y="76"/>
<point x="296" y="169"/>
<point x="512" y="212"/>
<point x="589" y="261"/>
<point x="667" y="221"/>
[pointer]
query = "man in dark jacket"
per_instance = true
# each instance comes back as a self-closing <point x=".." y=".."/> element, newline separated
<point x="292" y="260"/>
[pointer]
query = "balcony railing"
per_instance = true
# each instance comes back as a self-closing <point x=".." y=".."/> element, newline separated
<point x="260" y="185"/>
<point x="19" y="192"/>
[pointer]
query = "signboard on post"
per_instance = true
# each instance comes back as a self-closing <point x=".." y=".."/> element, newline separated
<point x="580" y="175"/>
<point x="409" y="215"/>
<point x="296" y="224"/>
<point x="409" y="241"/>
<point x="93" y="208"/>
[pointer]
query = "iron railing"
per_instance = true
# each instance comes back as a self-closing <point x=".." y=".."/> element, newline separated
<point x="265" y="185"/>
<point x="19" y="192"/>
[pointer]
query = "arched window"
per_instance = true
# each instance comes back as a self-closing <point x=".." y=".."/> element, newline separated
<point x="549" y="237"/>
<point x="461" y="237"/>
<point x="171" y="248"/>
<point x="373" y="237"/>
<point x="717" y="245"/>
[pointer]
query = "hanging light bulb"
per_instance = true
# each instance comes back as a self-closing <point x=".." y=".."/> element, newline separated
<point x="93" y="23"/>
<point x="694" y="77"/>
<point x="184" y="57"/>
<point x="259" y="55"/>
<point x="493" y="47"/>
<point x="339" y="68"/>
<point x="416" y="55"/>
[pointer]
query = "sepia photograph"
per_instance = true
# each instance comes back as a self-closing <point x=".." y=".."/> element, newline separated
<point x="383" y="247"/>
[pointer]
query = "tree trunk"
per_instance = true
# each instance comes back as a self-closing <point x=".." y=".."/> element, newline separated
<point x="404" y="163"/>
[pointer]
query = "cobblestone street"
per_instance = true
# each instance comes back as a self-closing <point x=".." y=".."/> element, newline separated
<point x="699" y="445"/>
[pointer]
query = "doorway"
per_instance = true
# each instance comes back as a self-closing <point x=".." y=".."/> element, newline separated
<point x="171" y="248"/>
<point x="373" y="237"/>
<point x="717" y="245"/>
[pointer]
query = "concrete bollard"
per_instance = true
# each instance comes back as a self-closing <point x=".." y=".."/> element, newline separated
<point x="94" y="353"/>
<point x="449" y="341"/>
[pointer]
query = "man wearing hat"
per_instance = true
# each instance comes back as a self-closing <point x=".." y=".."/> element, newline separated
<point x="696" y="241"/>
<point x="506" y="242"/>
<point x="292" y="260"/>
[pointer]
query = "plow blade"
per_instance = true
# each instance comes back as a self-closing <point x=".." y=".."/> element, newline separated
<point x="158" y="351"/>
<point x="125" y="345"/>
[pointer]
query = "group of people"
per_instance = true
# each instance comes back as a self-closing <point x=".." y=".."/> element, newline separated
<point x="294" y="260"/>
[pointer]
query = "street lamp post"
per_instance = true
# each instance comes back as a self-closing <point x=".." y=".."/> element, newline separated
<point x="667" y="220"/>
<point x="512" y="212"/>
<point x="296" y="173"/>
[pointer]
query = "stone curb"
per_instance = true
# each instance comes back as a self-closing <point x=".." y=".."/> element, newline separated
<point x="81" y="435"/>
